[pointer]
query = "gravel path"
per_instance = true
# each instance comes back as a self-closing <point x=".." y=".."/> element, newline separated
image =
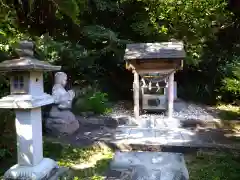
<point x="183" y="111"/>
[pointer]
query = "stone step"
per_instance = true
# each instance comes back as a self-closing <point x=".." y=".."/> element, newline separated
<point x="129" y="138"/>
<point x="149" y="166"/>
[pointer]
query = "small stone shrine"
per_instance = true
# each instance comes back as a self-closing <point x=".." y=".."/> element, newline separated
<point x="61" y="120"/>
<point x="26" y="98"/>
<point x="154" y="58"/>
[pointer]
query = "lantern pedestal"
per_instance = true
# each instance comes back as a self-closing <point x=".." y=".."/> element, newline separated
<point x="43" y="170"/>
<point x="28" y="122"/>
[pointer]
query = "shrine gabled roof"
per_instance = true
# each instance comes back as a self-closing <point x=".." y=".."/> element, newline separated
<point x="27" y="64"/>
<point x="164" y="50"/>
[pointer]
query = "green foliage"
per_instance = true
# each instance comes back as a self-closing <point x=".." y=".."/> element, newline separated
<point x="231" y="85"/>
<point x="4" y="153"/>
<point x="96" y="159"/>
<point x="93" y="101"/>
<point x="69" y="7"/>
<point x="97" y="102"/>
<point x="7" y="125"/>
<point x="228" y="112"/>
<point x="7" y="140"/>
<point x="88" y="37"/>
<point x="213" y="165"/>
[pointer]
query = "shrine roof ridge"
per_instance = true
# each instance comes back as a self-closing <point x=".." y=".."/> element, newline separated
<point x="163" y="50"/>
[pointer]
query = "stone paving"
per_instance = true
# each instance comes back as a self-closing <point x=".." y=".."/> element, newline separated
<point x="173" y="137"/>
<point x="152" y="130"/>
<point x="128" y="138"/>
<point x="153" y="136"/>
<point x="148" y="166"/>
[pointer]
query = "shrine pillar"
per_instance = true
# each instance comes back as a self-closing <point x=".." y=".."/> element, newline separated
<point x="136" y="94"/>
<point x="170" y="95"/>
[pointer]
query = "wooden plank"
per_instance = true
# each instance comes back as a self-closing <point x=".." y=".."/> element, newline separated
<point x="151" y="66"/>
<point x="145" y="71"/>
<point x="154" y="60"/>
<point x="154" y="65"/>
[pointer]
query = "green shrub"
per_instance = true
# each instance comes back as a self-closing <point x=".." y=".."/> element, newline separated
<point x="94" y="101"/>
<point x="97" y="102"/>
<point x="4" y="153"/>
<point x="7" y="136"/>
<point x="231" y="85"/>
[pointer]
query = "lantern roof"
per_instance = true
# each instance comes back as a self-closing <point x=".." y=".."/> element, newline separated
<point x="26" y="60"/>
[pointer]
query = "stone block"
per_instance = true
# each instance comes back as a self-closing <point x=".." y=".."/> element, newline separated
<point x="150" y="165"/>
<point x="143" y="133"/>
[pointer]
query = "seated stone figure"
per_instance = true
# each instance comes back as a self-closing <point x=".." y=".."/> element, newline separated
<point x="61" y="120"/>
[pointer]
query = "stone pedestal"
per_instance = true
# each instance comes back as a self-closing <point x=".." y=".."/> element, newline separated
<point x="42" y="171"/>
<point x="61" y="122"/>
<point x="29" y="137"/>
<point x="31" y="164"/>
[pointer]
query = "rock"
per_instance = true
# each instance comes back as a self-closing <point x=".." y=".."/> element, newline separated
<point x="135" y="173"/>
<point x="90" y="113"/>
<point x="83" y="114"/>
<point x="61" y="122"/>
<point x="110" y="122"/>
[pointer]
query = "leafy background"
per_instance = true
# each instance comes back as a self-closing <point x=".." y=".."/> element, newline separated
<point x="88" y="37"/>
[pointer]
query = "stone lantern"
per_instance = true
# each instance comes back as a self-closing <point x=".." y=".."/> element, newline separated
<point x="26" y="98"/>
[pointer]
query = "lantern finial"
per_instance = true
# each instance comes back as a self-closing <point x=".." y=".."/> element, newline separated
<point x="25" y="48"/>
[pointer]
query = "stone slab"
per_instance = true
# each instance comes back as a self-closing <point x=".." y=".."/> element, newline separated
<point x="122" y="133"/>
<point x="136" y="133"/>
<point x="162" y="136"/>
<point x="168" y="136"/>
<point x="133" y="137"/>
<point x="107" y="121"/>
<point x="150" y="166"/>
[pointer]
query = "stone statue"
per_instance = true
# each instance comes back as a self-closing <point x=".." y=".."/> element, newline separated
<point x="62" y="98"/>
<point x="61" y="120"/>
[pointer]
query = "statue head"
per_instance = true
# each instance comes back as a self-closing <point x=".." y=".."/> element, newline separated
<point x="61" y="78"/>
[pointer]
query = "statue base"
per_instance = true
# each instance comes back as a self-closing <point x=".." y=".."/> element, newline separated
<point x="61" y="122"/>
<point x="44" y="170"/>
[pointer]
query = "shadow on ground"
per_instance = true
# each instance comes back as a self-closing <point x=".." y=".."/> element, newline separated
<point x="88" y="162"/>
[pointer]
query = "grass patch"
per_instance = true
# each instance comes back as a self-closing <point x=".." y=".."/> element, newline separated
<point x="88" y="163"/>
<point x="85" y="163"/>
<point x="91" y="163"/>
<point x="229" y="112"/>
<point x="213" y="166"/>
